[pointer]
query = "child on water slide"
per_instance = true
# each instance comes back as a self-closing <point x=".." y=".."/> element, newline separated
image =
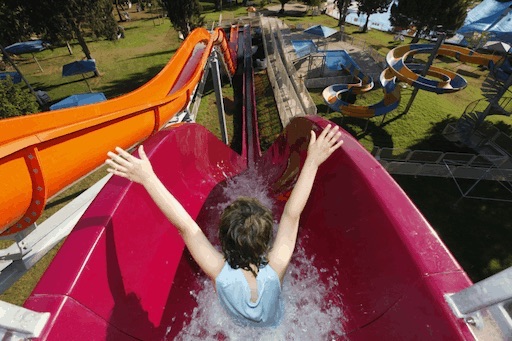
<point x="249" y="272"/>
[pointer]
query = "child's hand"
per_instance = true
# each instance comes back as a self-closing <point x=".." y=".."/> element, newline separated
<point x="321" y="148"/>
<point x="128" y="166"/>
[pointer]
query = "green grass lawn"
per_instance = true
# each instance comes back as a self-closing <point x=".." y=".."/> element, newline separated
<point x="477" y="232"/>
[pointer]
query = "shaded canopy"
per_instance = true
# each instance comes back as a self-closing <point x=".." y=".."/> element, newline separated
<point x="15" y="77"/>
<point x="497" y="46"/>
<point x="79" y="67"/>
<point x="79" y="99"/>
<point x="321" y="31"/>
<point x="490" y="16"/>
<point x="26" y="47"/>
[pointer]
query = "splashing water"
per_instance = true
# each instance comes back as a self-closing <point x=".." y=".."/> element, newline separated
<point x="309" y="315"/>
<point x="247" y="184"/>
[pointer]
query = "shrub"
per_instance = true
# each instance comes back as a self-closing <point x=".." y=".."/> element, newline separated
<point x="14" y="100"/>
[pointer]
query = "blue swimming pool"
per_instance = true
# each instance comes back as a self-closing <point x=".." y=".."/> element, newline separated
<point x="334" y="59"/>
<point x="304" y="47"/>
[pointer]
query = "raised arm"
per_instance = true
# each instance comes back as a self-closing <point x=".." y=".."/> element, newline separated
<point x="140" y="170"/>
<point x="318" y="151"/>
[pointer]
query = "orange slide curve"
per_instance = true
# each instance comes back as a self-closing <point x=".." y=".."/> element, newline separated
<point x="41" y="154"/>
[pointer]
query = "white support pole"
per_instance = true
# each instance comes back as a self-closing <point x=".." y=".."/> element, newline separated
<point x="492" y="294"/>
<point x="37" y="61"/>
<point x="18" y="323"/>
<point x="45" y="236"/>
<point x="217" y="85"/>
<point x="490" y="291"/>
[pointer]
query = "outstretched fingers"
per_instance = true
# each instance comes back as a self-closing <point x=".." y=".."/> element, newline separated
<point x="120" y="163"/>
<point x="118" y="159"/>
<point x="123" y="164"/>
<point x="124" y="154"/>
<point x="142" y="153"/>
<point x="333" y="135"/>
<point x="336" y="145"/>
<point x="324" y="132"/>
<point x="115" y="166"/>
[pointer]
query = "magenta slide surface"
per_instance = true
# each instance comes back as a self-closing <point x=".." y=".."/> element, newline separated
<point x="123" y="274"/>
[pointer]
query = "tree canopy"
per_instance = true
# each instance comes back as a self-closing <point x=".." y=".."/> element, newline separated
<point x="313" y="3"/>
<point x="14" y="101"/>
<point x="57" y="21"/>
<point x="14" y="25"/>
<point x="370" y="7"/>
<point x="185" y="15"/>
<point x="426" y="16"/>
<point x="60" y="21"/>
<point x="343" y="9"/>
<point x="283" y="2"/>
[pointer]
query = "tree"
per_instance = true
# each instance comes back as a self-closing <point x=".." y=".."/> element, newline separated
<point x="14" y="101"/>
<point x="283" y="2"/>
<point x="313" y="3"/>
<point x="59" y="21"/>
<point x="13" y="22"/>
<point x="343" y="10"/>
<point x="370" y="7"/>
<point x="69" y="19"/>
<point x="429" y="15"/>
<point x="185" y="15"/>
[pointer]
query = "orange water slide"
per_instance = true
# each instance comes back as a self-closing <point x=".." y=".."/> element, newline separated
<point x="41" y="154"/>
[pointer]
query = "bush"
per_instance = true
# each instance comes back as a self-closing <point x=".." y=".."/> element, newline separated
<point x="15" y="101"/>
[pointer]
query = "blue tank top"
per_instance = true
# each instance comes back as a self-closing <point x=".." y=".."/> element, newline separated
<point x="235" y="296"/>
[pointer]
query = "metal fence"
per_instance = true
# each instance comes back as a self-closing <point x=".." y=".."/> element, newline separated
<point x="364" y="46"/>
<point x="486" y="135"/>
<point x="283" y="44"/>
<point x="291" y="95"/>
<point x="318" y="71"/>
<point x="445" y="164"/>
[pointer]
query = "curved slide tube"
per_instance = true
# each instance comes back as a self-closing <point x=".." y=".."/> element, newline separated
<point x="41" y="154"/>
<point x="122" y="273"/>
<point x="399" y="69"/>
<point x="391" y="99"/>
<point x="449" y="81"/>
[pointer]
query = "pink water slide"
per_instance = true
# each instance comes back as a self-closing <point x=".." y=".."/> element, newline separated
<point x="122" y="274"/>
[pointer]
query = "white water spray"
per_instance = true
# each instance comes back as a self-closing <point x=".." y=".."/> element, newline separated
<point x="309" y="313"/>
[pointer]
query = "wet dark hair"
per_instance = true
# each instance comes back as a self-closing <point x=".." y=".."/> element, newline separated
<point x="246" y="234"/>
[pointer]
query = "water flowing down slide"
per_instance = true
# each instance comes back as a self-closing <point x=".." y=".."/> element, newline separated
<point x="440" y="81"/>
<point x="367" y="265"/>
